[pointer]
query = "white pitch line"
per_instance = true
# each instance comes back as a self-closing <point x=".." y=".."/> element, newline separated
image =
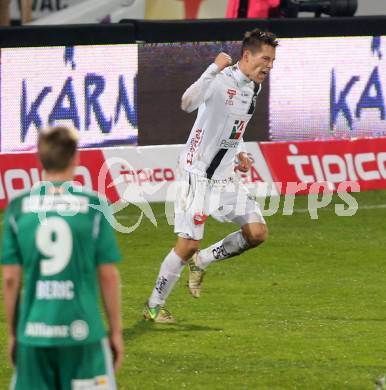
<point x="363" y="207"/>
<point x="295" y="210"/>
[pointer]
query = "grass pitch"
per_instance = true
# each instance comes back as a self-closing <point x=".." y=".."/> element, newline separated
<point x="307" y="310"/>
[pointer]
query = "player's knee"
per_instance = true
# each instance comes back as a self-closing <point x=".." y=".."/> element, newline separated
<point x="186" y="248"/>
<point x="256" y="235"/>
<point x="192" y="247"/>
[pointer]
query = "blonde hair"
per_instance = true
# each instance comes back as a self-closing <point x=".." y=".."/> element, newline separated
<point x="56" y="147"/>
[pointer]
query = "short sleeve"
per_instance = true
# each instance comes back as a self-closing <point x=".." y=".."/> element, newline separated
<point x="106" y="241"/>
<point x="10" y="252"/>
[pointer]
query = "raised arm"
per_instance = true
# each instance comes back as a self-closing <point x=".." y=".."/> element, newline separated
<point x="201" y="90"/>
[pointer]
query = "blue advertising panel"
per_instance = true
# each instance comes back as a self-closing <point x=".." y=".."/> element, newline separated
<point x="91" y="88"/>
<point x="328" y="88"/>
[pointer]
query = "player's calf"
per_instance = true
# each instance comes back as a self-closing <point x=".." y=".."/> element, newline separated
<point x="185" y="248"/>
<point x="232" y="245"/>
<point x="255" y="233"/>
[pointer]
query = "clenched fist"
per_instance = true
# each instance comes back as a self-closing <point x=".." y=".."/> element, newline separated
<point x="223" y="60"/>
<point x="245" y="162"/>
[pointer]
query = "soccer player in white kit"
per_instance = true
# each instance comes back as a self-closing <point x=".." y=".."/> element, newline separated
<point x="225" y="96"/>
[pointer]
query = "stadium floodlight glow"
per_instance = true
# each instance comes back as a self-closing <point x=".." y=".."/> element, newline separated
<point x="291" y="8"/>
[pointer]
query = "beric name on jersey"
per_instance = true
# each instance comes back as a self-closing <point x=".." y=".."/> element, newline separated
<point x="228" y="104"/>
<point x="55" y="289"/>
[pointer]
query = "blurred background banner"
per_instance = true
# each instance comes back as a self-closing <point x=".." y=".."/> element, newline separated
<point x="41" y="8"/>
<point x="130" y="174"/>
<point x="86" y="11"/>
<point x="185" y="9"/>
<point x="328" y="88"/>
<point x="92" y="88"/>
<point x="148" y="173"/>
<point x="320" y="88"/>
<point x="44" y="12"/>
<point x="162" y="83"/>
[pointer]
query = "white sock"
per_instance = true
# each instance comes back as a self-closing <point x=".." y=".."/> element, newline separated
<point x="231" y="245"/>
<point x="169" y="273"/>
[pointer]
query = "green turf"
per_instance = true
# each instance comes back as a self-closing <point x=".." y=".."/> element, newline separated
<point x="307" y="310"/>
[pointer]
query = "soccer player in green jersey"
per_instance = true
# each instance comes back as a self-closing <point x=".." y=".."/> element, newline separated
<point x="57" y="239"/>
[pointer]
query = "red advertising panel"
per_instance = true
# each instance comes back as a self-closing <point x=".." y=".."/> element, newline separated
<point x="20" y="171"/>
<point x="128" y="174"/>
<point x="337" y="161"/>
<point x="146" y="174"/>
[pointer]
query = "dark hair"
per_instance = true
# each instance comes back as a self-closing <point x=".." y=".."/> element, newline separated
<point x="253" y="40"/>
<point x="56" y="147"/>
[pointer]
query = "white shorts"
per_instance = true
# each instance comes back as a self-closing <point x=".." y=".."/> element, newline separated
<point x="225" y="200"/>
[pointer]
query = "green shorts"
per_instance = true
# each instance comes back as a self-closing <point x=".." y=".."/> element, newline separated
<point x="82" y="367"/>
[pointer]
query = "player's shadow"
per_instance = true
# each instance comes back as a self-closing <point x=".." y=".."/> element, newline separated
<point x="143" y="326"/>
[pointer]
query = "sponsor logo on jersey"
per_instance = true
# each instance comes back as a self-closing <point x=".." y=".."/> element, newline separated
<point x="236" y="133"/>
<point x="40" y="329"/>
<point x="64" y="204"/>
<point x="231" y="93"/>
<point x="79" y="330"/>
<point x="194" y="144"/>
<point x="229" y="144"/>
<point x="237" y="130"/>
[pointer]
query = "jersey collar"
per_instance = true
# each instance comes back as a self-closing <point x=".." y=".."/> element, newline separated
<point x="241" y="78"/>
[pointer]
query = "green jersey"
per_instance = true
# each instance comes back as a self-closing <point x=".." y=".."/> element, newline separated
<point x="59" y="234"/>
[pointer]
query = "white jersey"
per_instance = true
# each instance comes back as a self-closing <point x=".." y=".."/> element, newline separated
<point x="226" y="101"/>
